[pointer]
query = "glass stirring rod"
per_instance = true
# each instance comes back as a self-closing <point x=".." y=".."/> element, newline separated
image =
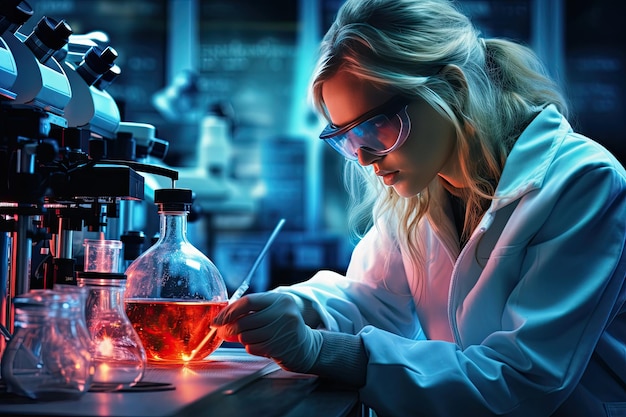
<point x="242" y="288"/>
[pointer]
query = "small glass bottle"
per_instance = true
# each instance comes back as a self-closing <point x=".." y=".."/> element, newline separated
<point x="173" y="290"/>
<point x="49" y="354"/>
<point x="118" y="354"/>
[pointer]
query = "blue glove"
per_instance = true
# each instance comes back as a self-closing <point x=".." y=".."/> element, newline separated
<point x="270" y="324"/>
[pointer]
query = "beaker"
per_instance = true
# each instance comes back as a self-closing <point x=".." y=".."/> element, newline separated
<point x="102" y="255"/>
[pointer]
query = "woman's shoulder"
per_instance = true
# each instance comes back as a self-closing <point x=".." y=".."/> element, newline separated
<point x="549" y="147"/>
<point x="588" y="153"/>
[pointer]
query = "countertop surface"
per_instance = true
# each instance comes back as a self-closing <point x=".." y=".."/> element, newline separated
<point x="229" y="383"/>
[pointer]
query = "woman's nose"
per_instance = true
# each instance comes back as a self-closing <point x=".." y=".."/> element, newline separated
<point x="366" y="158"/>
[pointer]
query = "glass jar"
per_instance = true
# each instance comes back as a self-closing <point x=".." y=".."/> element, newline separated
<point x="118" y="354"/>
<point x="173" y="290"/>
<point x="49" y="354"/>
<point x="102" y="255"/>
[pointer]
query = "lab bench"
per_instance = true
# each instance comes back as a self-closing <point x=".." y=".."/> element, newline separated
<point x="230" y="383"/>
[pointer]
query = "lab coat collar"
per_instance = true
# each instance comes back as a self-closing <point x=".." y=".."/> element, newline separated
<point x="527" y="164"/>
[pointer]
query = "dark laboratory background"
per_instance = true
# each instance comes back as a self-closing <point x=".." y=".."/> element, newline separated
<point x="246" y="63"/>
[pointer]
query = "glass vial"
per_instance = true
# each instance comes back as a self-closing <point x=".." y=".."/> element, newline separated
<point x="49" y="354"/>
<point x="118" y="354"/>
<point x="173" y="290"/>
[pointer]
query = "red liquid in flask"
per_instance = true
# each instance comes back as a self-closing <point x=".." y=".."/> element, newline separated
<point x="171" y="330"/>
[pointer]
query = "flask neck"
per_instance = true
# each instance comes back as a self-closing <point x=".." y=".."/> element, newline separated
<point x="29" y="316"/>
<point x="173" y="226"/>
<point x="33" y="311"/>
<point x="109" y="297"/>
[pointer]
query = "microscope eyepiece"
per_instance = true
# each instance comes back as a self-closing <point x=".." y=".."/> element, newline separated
<point x="13" y="14"/>
<point x="95" y="63"/>
<point x="48" y="37"/>
<point x="108" y="77"/>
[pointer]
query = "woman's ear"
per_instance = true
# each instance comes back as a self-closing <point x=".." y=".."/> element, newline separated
<point x="455" y="76"/>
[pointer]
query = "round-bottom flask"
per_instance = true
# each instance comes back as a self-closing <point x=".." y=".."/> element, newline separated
<point x="118" y="354"/>
<point x="49" y="355"/>
<point x="174" y="290"/>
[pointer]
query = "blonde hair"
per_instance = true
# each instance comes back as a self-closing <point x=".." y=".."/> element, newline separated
<point x="404" y="46"/>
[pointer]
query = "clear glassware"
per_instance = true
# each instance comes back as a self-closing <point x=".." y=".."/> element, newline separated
<point x="173" y="290"/>
<point x="49" y="354"/>
<point x="118" y="354"/>
<point x="102" y="255"/>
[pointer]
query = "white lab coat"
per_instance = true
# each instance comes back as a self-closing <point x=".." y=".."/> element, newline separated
<point x="528" y="320"/>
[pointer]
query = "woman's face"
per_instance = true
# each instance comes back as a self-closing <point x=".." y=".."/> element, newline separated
<point x="427" y="152"/>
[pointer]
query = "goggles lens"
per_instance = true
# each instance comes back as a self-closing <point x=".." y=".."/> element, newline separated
<point x="377" y="134"/>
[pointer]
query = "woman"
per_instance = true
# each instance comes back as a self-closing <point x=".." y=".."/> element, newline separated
<point x="492" y="279"/>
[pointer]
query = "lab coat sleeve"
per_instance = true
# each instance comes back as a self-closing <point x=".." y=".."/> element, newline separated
<point x="570" y="287"/>
<point x="374" y="291"/>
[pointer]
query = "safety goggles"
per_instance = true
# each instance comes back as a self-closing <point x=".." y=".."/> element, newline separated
<point x="379" y="131"/>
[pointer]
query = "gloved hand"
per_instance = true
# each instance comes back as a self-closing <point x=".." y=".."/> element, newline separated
<point x="270" y="324"/>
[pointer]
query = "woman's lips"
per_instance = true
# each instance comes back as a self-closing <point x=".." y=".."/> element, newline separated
<point x="389" y="178"/>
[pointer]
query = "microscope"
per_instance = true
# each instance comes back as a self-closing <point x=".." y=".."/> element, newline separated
<point x="65" y="164"/>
